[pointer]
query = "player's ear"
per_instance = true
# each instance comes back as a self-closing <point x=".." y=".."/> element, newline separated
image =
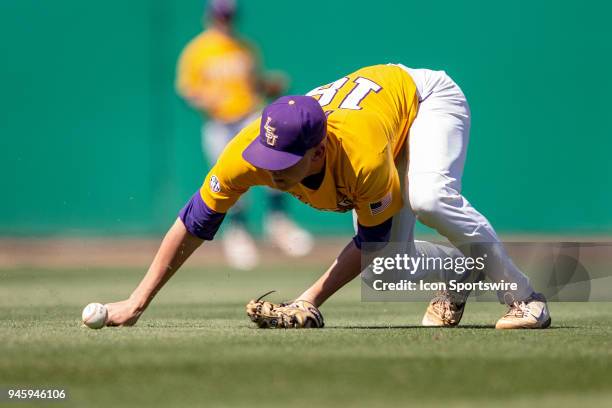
<point x="319" y="152"/>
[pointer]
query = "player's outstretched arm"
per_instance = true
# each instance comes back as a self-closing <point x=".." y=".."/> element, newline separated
<point x="348" y="264"/>
<point x="176" y="247"/>
<point x="303" y="312"/>
<point x="345" y="268"/>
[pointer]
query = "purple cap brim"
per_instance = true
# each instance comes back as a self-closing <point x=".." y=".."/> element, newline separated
<point x="268" y="159"/>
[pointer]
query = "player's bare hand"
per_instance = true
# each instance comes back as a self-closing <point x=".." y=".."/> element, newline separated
<point x="124" y="313"/>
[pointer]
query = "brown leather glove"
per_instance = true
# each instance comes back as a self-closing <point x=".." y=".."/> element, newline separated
<point x="299" y="314"/>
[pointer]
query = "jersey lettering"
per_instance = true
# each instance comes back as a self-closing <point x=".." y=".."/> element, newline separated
<point x="362" y="88"/>
<point x="360" y="91"/>
<point x="328" y="92"/>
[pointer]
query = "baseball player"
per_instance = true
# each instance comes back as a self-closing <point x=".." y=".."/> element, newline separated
<point x="217" y="75"/>
<point x="387" y="142"/>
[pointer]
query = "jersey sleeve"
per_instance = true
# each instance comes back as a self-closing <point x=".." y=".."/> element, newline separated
<point x="223" y="186"/>
<point x="378" y="234"/>
<point x="200" y="220"/>
<point x="379" y="195"/>
<point x="231" y="176"/>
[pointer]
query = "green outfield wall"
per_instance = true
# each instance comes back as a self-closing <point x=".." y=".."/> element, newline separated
<point x="94" y="140"/>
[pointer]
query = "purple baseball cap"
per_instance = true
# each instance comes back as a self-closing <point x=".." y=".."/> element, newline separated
<point x="289" y="127"/>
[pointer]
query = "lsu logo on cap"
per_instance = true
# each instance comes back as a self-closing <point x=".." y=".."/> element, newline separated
<point x="215" y="186"/>
<point x="270" y="135"/>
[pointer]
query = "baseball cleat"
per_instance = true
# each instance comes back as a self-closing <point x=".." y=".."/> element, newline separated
<point x="531" y="313"/>
<point x="288" y="236"/>
<point x="443" y="311"/>
<point x="240" y="249"/>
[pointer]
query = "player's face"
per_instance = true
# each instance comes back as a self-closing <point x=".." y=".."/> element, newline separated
<point x="288" y="178"/>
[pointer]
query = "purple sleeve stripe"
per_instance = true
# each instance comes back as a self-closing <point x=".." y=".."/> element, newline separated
<point x="200" y="220"/>
<point x="377" y="233"/>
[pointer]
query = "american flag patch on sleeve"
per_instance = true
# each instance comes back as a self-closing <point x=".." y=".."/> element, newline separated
<point x="380" y="206"/>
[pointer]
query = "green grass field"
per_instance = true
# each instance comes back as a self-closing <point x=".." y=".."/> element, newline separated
<point x="195" y="347"/>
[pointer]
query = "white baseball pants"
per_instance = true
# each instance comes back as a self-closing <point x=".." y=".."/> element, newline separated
<point x="436" y="149"/>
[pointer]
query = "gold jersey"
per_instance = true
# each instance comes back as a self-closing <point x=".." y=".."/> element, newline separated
<point x="369" y="113"/>
<point x="220" y="70"/>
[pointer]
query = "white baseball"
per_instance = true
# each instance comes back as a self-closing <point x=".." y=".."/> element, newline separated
<point x="94" y="315"/>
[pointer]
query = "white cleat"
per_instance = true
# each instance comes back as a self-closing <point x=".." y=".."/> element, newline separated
<point x="531" y="313"/>
<point x="288" y="236"/>
<point x="240" y="249"/>
<point x="443" y="311"/>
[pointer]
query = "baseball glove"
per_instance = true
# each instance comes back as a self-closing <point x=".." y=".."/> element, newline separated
<point x="299" y="314"/>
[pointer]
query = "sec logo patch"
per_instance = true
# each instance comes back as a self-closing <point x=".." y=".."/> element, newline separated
<point x="215" y="186"/>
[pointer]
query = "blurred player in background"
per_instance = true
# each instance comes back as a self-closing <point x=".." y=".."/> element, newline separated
<point x="217" y="75"/>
